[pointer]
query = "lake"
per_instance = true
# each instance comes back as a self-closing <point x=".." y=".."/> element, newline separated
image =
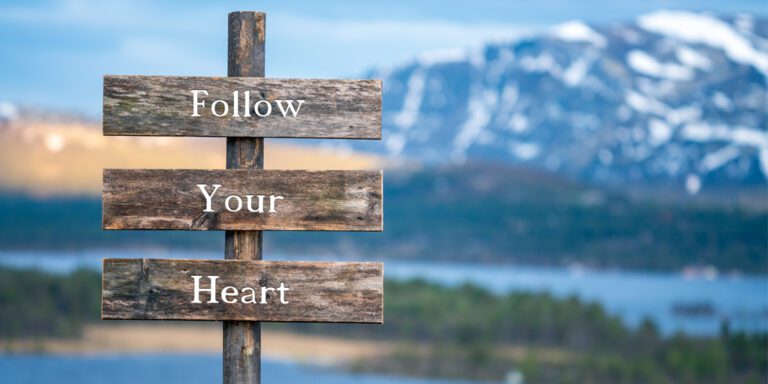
<point x="164" y="369"/>
<point x="676" y="302"/>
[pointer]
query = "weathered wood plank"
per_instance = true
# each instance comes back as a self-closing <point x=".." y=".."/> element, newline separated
<point x="292" y="200"/>
<point x="156" y="289"/>
<point x="163" y="106"/>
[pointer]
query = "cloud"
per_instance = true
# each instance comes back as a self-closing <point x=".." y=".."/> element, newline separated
<point x="175" y="36"/>
<point x="445" y="33"/>
<point x="140" y="16"/>
<point x="349" y="47"/>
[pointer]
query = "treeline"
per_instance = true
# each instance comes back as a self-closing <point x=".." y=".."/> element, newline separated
<point x="74" y="223"/>
<point x="467" y="332"/>
<point x="469" y="213"/>
<point x="463" y="332"/>
<point x="35" y="304"/>
<point x="486" y="213"/>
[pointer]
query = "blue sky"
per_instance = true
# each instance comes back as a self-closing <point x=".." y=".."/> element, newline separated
<point x="55" y="52"/>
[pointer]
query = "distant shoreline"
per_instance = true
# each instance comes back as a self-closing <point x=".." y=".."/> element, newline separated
<point x="181" y="338"/>
<point x="91" y="258"/>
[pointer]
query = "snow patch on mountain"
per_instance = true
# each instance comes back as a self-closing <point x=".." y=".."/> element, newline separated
<point x="719" y="158"/>
<point x="693" y="59"/>
<point x="645" y="104"/>
<point x="410" y="112"/>
<point x="722" y="101"/>
<point x="578" y="31"/>
<point x="442" y="56"/>
<point x="648" y="65"/>
<point x="704" y="29"/>
<point x="523" y="150"/>
<point x="480" y="106"/>
<point x="576" y="73"/>
<point x="660" y="131"/>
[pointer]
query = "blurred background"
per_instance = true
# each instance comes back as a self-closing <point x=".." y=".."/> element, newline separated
<point x="576" y="192"/>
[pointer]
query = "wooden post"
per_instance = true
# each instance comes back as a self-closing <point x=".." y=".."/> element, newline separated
<point x="245" y="58"/>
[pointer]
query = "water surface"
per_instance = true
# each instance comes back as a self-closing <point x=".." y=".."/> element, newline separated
<point x="166" y="369"/>
<point x="742" y="300"/>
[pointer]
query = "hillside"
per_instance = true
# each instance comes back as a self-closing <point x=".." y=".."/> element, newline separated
<point x="481" y="212"/>
<point x="475" y="212"/>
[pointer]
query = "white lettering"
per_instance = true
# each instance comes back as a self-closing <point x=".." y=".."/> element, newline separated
<point x="196" y="103"/>
<point x="229" y="294"/>
<point x="208" y="198"/>
<point x="272" y="199"/>
<point x="210" y="290"/>
<point x="282" y="290"/>
<point x="234" y="203"/>
<point x="219" y="102"/>
<point x="262" y="108"/>
<point x="264" y="294"/>
<point x="239" y="203"/>
<point x="291" y="108"/>
<point x="229" y="291"/>
<point x="269" y="108"/>
<point x="249" y="203"/>
<point x="249" y="298"/>
<point x="246" y="107"/>
<point x="235" y="101"/>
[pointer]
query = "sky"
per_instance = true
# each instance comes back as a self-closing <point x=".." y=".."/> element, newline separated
<point x="55" y="52"/>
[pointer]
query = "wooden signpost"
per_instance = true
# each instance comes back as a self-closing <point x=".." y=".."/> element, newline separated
<point x="242" y="200"/>
<point x="147" y="289"/>
<point x="242" y="107"/>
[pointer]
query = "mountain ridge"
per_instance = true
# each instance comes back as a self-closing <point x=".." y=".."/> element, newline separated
<point x="672" y="97"/>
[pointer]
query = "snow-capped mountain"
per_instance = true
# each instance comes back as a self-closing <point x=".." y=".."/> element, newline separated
<point x="672" y="95"/>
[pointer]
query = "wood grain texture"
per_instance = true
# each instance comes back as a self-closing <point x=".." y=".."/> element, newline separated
<point x="162" y="106"/>
<point x="313" y="200"/>
<point x="156" y="289"/>
<point x="246" y="34"/>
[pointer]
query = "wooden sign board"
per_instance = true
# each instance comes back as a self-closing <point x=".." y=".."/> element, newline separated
<point x="242" y="200"/>
<point x="241" y="107"/>
<point x="155" y="289"/>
